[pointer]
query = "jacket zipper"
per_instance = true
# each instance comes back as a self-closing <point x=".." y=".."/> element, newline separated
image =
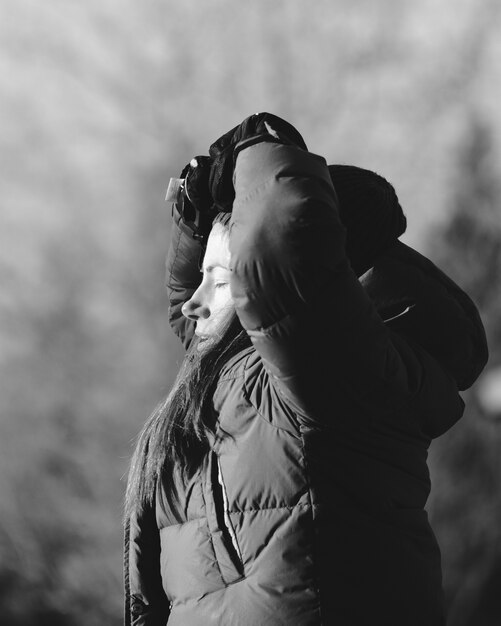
<point x="228" y="526"/>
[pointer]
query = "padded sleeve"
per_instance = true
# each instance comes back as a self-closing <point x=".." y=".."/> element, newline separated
<point x="307" y="314"/>
<point x="145" y="601"/>
<point x="182" y="276"/>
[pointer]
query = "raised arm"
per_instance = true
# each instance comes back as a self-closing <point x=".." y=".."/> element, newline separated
<point x="315" y="328"/>
<point x="182" y="276"/>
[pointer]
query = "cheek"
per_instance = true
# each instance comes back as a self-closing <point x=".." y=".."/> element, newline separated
<point x="222" y="301"/>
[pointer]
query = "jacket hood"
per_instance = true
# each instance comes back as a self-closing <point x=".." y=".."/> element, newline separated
<point x="416" y="299"/>
<point x="369" y="210"/>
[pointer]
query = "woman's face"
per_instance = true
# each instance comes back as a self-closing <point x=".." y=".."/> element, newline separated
<point x="211" y="306"/>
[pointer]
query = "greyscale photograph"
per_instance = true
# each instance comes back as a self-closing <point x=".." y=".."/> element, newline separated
<point x="250" y="313"/>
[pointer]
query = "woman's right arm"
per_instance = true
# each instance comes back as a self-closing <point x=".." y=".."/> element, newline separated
<point x="182" y="276"/>
<point x="145" y="601"/>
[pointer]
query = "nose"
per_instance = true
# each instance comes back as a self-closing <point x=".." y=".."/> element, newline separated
<point x="193" y="309"/>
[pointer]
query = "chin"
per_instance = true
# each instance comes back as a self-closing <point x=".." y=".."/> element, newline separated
<point x="204" y="342"/>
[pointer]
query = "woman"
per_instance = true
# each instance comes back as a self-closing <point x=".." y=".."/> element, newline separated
<point x="284" y="479"/>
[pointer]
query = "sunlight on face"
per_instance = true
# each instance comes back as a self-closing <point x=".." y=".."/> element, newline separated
<point x="211" y="305"/>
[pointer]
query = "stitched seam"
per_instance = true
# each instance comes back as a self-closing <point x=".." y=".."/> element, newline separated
<point x="314" y="555"/>
<point x="259" y="414"/>
<point x="231" y="377"/>
<point x="272" y="508"/>
<point x="189" y="521"/>
<point x="176" y="251"/>
<point x="253" y="510"/>
<point x="240" y="371"/>
<point x="212" y="542"/>
<point x="278" y="389"/>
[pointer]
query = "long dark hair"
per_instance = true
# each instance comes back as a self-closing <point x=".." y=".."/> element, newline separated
<point x="176" y="436"/>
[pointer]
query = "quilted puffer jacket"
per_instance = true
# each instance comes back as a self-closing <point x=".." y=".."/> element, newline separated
<point x="310" y="509"/>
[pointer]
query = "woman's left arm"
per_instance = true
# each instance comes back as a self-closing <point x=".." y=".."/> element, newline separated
<point x="305" y="310"/>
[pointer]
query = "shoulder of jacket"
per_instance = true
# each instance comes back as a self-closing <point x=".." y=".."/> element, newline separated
<point x="237" y="365"/>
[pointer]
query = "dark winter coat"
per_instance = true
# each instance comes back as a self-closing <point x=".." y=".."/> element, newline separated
<point x="310" y="510"/>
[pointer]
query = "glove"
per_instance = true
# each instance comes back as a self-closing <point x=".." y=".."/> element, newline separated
<point x="223" y="153"/>
<point x="194" y="203"/>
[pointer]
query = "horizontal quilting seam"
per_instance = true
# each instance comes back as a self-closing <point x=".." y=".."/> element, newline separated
<point x="260" y="414"/>
<point x="253" y="510"/>
<point x="271" y="508"/>
<point x="189" y="521"/>
<point x="237" y="370"/>
<point x="234" y="377"/>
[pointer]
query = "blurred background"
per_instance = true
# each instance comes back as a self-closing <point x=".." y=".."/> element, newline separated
<point x="100" y="103"/>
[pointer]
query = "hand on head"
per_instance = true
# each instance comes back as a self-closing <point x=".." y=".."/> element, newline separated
<point x="254" y="129"/>
<point x="208" y="180"/>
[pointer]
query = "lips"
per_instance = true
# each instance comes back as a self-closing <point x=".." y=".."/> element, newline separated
<point x="202" y="342"/>
<point x="202" y="338"/>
